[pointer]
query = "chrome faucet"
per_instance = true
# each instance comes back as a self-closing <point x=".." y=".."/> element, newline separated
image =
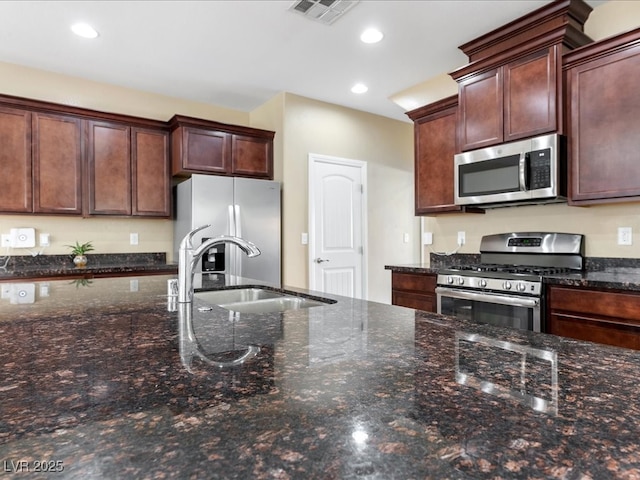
<point x="188" y="258"/>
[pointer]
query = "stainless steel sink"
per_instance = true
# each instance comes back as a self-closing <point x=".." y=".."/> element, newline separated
<point x="257" y="300"/>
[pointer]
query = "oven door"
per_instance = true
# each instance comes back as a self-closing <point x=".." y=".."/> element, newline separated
<point x="501" y="310"/>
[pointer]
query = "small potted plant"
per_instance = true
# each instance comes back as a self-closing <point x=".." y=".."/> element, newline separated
<point x="79" y="252"/>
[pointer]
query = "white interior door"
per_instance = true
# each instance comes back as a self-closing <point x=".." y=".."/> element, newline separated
<point x="337" y="225"/>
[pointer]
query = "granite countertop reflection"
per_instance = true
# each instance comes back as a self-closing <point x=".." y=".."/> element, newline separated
<point x="111" y="379"/>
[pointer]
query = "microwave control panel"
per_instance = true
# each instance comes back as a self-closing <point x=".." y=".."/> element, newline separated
<point x="540" y="169"/>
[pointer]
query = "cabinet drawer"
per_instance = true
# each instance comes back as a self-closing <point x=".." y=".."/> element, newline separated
<point x="413" y="282"/>
<point x="608" y="332"/>
<point x="412" y="300"/>
<point x="625" y="306"/>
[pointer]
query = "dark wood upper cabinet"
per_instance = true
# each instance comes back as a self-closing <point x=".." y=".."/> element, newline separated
<point x="202" y="146"/>
<point x="57" y="164"/>
<point x="109" y="159"/>
<point x="532" y="88"/>
<point x="151" y="182"/>
<point x="252" y="156"/>
<point x="512" y="87"/>
<point x="199" y="150"/>
<point x="603" y="115"/>
<point x="128" y="170"/>
<point x="481" y="110"/>
<point x="435" y="146"/>
<point x="16" y="185"/>
<point x="73" y="161"/>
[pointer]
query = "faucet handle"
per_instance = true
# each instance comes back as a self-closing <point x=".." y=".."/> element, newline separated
<point x="187" y="240"/>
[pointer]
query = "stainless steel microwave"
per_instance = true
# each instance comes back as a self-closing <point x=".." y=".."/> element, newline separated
<point x="523" y="172"/>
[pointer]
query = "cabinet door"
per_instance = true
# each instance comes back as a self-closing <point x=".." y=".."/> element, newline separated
<point x="435" y="146"/>
<point x="480" y="121"/>
<point x="150" y="169"/>
<point x="252" y="156"/>
<point x="57" y="164"/>
<point x="530" y="95"/>
<point x="205" y="151"/>
<point x="15" y="158"/>
<point x="603" y="119"/>
<point x="109" y="159"/>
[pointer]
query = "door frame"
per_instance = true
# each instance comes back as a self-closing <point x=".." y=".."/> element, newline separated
<point x="362" y="165"/>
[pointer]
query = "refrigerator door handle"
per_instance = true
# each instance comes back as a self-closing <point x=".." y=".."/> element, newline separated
<point x="238" y="232"/>
<point x="232" y="221"/>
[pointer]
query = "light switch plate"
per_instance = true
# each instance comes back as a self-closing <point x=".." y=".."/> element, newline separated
<point x="45" y="240"/>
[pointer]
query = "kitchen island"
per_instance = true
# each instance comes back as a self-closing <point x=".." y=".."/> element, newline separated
<point x="103" y="379"/>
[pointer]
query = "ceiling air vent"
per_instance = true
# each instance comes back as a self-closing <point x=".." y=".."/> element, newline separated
<point x="324" y="11"/>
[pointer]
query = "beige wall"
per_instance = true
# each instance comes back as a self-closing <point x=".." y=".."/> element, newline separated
<point x="387" y="147"/>
<point x="598" y="223"/>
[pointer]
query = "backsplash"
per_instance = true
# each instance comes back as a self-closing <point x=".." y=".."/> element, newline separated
<point x="591" y="263"/>
<point x="96" y="260"/>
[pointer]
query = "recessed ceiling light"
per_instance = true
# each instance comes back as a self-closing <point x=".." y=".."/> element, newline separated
<point x="359" y="88"/>
<point x="371" y="35"/>
<point x="84" y="30"/>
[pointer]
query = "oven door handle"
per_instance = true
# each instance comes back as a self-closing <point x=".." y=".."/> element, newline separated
<point x="488" y="297"/>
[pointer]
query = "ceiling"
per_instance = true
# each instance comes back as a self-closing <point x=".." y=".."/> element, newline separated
<point x="239" y="54"/>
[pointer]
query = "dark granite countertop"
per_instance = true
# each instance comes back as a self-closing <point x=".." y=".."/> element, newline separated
<point x="102" y="379"/>
<point x="47" y="266"/>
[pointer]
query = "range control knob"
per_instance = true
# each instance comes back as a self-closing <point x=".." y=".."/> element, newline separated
<point x="507" y="285"/>
<point x="450" y="280"/>
<point x="460" y="281"/>
<point x="521" y="287"/>
<point x="483" y="283"/>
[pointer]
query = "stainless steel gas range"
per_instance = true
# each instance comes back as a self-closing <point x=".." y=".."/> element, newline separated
<point x="506" y="287"/>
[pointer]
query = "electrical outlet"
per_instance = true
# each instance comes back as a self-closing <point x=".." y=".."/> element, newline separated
<point x="625" y="236"/>
<point x="461" y="238"/>
<point x="405" y="238"/>
<point x="427" y="238"/>
<point x="133" y="239"/>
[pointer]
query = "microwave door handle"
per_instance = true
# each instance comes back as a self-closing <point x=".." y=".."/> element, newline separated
<point x="523" y="170"/>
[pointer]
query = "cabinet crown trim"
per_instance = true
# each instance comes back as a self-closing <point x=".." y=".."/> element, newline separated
<point x="570" y="15"/>
<point x="602" y="48"/>
<point x="184" y="121"/>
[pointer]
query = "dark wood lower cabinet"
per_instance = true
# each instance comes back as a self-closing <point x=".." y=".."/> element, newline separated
<point x="414" y="290"/>
<point x="603" y="316"/>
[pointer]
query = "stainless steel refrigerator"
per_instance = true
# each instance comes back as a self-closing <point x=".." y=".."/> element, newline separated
<point x="241" y="207"/>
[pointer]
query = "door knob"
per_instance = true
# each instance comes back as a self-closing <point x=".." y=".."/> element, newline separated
<point x="320" y="260"/>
